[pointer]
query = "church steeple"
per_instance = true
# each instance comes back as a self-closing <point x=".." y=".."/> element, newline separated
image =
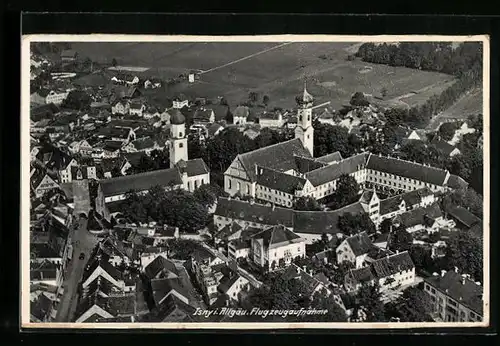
<point x="178" y="139"/>
<point x="304" y="130"/>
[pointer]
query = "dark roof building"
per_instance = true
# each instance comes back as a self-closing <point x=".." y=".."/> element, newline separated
<point x="277" y="236"/>
<point x="459" y="288"/>
<point x="279" y="181"/>
<point x="407" y="169"/>
<point x="360" y="243"/>
<point x="279" y="156"/>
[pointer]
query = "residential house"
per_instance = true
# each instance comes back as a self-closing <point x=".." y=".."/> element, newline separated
<point x="82" y="172"/>
<point x="455" y="297"/>
<point x="276" y="247"/>
<point x="180" y="101"/>
<point x="463" y="218"/>
<point x="56" y="96"/>
<point x="121" y="107"/>
<point x="83" y="147"/>
<point x="152" y="83"/>
<point x="390" y="272"/>
<point x="44" y="272"/>
<point x="232" y="285"/>
<point x="354" y="249"/>
<point x="151" y="112"/>
<point x="271" y="119"/>
<point x="446" y="148"/>
<point x="251" y="133"/>
<point x="429" y="219"/>
<point x="146" y="145"/>
<point x="329" y="117"/>
<point x="207" y="270"/>
<point x="214" y="129"/>
<point x="240" y="115"/>
<point x="137" y="108"/>
<point x="41" y="183"/>
<point x="460" y="132"/>
<point x="204" y="116"/>
<point x="313" y="284"/>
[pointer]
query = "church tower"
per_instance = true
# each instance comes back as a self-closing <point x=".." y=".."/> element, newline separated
<point x="304" y="130"/>
<point x="178" y="140"/>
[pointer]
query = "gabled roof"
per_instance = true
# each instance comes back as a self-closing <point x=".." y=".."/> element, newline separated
<point x="360" y="243"/>
<point x="393" y="264"/>
<point x="407" y="169"/>
<point x="334" y="171"/>
<point x="196" y="167"/>
<point x="279" y="156"/>
<point x="259" y="213"/>
<point x="390" y="204"/>
<point x="418" y="216"/>
<point x="158" y="265"/>
<point x="169" y="311"/>
<point x="279" y="181"/>
<point x="443" y="146"/>
<point x="319" y="222"/>
<point x="330" y="158"/>
<point x="144" y="143"/>
<point x="212" y="129"/>
<point x="227" y="282"/>
<point x="68" y="53"/>
<point x="140" y="182"/>
<point x="307" y="164"/>
<point x="162" y="287"/>
<point x="277" y="236"/>
<point x="416" y="196"/>
<point x="464" y="291"/>
<point x="456" y="182"/>
<point x="463" y="215"/>
<point x="363" y="274"/>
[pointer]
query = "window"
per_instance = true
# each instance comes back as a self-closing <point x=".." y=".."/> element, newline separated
<point x="229" y="183"/>
<point x="238" y="185"/>
<point x="181" y="145"/>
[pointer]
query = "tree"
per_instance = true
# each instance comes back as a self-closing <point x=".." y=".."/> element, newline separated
<point x="183" y="249"/>
<point x="114" y="62"/>
<point x="77" y="99"/>
<point x="465" y="251"/>
<point x="323" y="301"/>
<point x="306" y="203"/>
<point x="253" y="96"/>
<point x="279" y="293"/>
<point x="400" y="239"/>
<point x="385" y="226"/>
<point x="329" y="138"/>
<point x="347" y="192"/>
<point x="465" y="197"/>
<point x="208" y="194"/>
<point x="447" y="130"/>
<point x="338" y="275"/>
<point x="413" y="306"/>
<point x="350" y="224"/>
<point x="368" y="301"/>
<point x="265" y="100"/>
<point x="358" y="99"/>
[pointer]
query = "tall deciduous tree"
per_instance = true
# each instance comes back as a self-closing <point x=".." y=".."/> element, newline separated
<point x="306" y="203"/>
<point x="465" y="251"/>
<point x="351" y="224"/>
<point x="400" y="239"/>
<point x="347" y="192"/>
<point x="413" y="306"/>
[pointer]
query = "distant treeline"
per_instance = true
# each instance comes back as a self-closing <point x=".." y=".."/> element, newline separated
<point x="465" y="62"/>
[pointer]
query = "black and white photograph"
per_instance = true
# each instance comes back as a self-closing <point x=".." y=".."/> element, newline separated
<point x="255" y="182"/>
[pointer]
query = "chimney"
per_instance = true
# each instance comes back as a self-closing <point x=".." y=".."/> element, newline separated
<point x="274" y="206"/>
<point x="397" y="252"/>
<point x="443" y="272"/>
<point x="304" y="268"/>
<point x="463" y="281"/>
<point x="456" y="269"/>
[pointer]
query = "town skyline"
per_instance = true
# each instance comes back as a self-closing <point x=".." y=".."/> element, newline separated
<point x="211" y="182"/>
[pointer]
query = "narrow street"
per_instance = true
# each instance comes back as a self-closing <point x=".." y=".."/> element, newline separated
<point x="83" y="242"/>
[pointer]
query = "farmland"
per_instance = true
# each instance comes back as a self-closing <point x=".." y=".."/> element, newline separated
<point x="278" y="72"/>
<point x="471" y="103"/>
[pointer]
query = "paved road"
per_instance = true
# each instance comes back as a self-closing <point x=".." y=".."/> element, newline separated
<point x="83" y="242"/>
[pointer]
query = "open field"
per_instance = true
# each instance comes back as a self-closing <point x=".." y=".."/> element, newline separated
<point x="272" y="69"/>
<point x="471" y="103"/>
